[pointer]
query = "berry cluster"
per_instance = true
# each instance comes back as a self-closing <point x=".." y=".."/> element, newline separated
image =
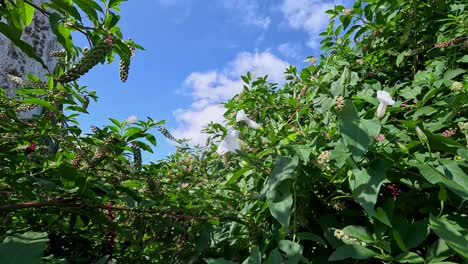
<point x="166" y="133"/>
<point x="97" y="54"/>
<point x="136" y="157"/>
<point x="58" y="53"/>
<point x="125" y="65"/>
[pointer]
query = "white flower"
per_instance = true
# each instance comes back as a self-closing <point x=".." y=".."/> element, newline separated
<point x="241" y="116"/>
<point x="384" y="99"/>
<point x="131" y="120"/>
<point x="230" y="143"/>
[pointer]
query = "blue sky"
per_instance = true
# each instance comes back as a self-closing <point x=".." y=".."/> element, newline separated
<point x="196" y="51"/>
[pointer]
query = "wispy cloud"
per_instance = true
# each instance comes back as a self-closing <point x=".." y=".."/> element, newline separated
<point x="248" y="12"/>
<point x="290" y="50"/>
<point x="210" y="88"/>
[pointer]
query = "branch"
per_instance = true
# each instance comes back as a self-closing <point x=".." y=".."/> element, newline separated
<point x="72" y="203"/>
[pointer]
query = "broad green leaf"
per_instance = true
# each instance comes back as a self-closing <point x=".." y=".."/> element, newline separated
<point x="23" y="248"/>
<point x="254" y="258"/>
<point x="61" y="32"/>
<point x="284" y="169"/>
<point x="280" y="203"/>
<point x="26" y="12"/>
<point x="449" y="233"/>
<point x="463" y="59"/>
<point x="279" y="196"/>
<point x="352" y="251"/>
<point x="438" y="251"/>
<point x="413" y="234"/>
<point x="448" y="174"/>
<point x="291" y="249"/>
<point x="449" y="75"/>
<point x="275" y="257"/>
<point x="382" y="216"/>
<point x="357" y="133"/>
<point x="365" y="184"/>
<point x="359" y="232"/>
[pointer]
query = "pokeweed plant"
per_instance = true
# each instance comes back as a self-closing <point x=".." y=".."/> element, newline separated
<point x="358" y="158"/>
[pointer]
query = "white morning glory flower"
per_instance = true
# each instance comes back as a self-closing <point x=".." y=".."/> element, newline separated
<point x="230" y="143"/>
<point x="242" y="117"/>
<point x="384" y="99"/>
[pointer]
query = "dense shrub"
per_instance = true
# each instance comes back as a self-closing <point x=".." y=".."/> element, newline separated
<point x="358" y="158"/>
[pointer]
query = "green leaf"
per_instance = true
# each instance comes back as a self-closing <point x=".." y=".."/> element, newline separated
<point x="254" y="258"/>
<point x="23" y="248"/>
<point x="400" y="58"/>
<point x="352" y="251"/>
<point x="111" y="20"/>
<point x="151" y="139"/>
<point x="61" y="32"/>
<point x="365" y="184"/>
<point x="103" y="260"/>
<point x="26" y="12"/>
<point x="359" y="232"/>
<point x="448" y="173"/>
<point x="280" y="203"/>
<point x="382" y="216"/>
<point x="275" y="257"/>
<point x="131" y="131"/>
<point x="218" y="261"/>
<point x="463" y="59"/>
<point x="409" y="257"/>
<point x="357" y="133"/>
<point x="291" y="249"/>
<point x="237" y="174"/>
<point x="278" y="194"/>
<point x="117" y="123"/>
<point x="449" y="233"/>
<point x="449" y="75"/>
<point x="37" y="101"/>
<point x="115" y="3"/>
<point x="66" y="6"/>
<point x="415" y="233"/>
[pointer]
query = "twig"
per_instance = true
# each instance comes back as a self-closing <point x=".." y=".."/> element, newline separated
<point x="42" y="10"/>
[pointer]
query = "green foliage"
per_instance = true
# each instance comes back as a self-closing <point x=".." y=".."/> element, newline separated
<point x="323" y="180"/>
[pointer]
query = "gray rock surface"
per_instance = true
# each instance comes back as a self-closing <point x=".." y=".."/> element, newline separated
<point x="13" y="61"/>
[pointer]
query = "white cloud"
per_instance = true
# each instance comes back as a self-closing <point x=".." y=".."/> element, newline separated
<point x="249" y="12"/>
<point x="308" y="15"/>
<point x="290" y="50"/>
<point x="209" y="89"/>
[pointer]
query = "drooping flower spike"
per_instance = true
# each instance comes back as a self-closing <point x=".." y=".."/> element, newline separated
<point x="230" y="143"/>
<point x="384" y="99"/>
<point x="242" y="117"/>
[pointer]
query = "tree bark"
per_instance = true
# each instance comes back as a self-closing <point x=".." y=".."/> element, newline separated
<point x="13" y="61"/>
